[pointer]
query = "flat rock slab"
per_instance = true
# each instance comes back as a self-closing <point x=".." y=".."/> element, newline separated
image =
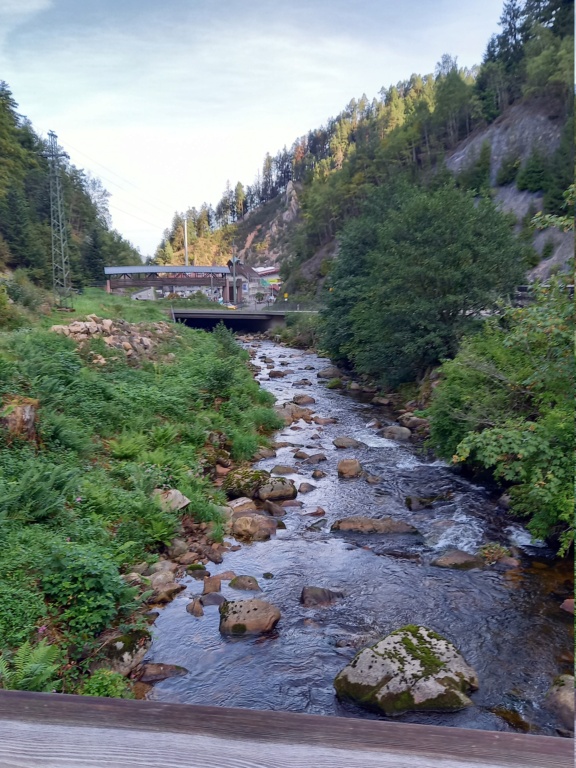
<point x="171" y="499"/>
<point x="396" y="433"/>
<point x="284" y="469"/>
<point x="457" y="558"/>
<point x="346" y="442"/>
<point x="152" y="673"/>
<point x="248" y="617"/>
<point x="373" y="525"/>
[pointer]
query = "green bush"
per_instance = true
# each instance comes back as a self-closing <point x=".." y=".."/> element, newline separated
<point x="506" y="403"/>
<point x="107" y="684"/>
<point x="22" y="611"/>
<point x="84" y="583"/>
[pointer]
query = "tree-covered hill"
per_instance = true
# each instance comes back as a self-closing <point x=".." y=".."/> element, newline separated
<point x="25" y="234"/>
<point x="508" y="121"/>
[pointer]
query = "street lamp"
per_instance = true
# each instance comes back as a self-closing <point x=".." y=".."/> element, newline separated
<point x="232" y="265"/>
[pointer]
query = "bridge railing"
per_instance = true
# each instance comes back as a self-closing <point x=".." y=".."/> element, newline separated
<point x="53" y="730"/>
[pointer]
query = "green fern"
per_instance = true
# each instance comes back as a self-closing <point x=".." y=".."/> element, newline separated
<point x="31" y="668"/>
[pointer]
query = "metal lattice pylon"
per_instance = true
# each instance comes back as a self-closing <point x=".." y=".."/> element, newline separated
<point x="61" y="280"/>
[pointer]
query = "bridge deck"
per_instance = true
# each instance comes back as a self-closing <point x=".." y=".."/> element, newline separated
<point x="51" y="730"/>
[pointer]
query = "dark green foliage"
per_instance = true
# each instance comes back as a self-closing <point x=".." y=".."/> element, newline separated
<point x="25" y="240"/>
<point x="107" y="684"/>
<point x="506" y="402"/>
<point x="477" y="176"/>
<point x="533" y="176"/>
<point x="409" y="281"/>
<point x="85" y="585"/>
<point x="79" y="506"/>
<point x="508" y="170"/>
<point x="21" y="613"/>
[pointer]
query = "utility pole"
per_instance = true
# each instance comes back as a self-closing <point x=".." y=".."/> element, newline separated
<point x="61" y="279"/>
<point x="185" y="241"/>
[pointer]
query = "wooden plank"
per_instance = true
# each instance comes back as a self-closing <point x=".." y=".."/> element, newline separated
<point x="50" y="730"/>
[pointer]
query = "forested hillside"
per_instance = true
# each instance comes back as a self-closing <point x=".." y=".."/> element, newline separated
<point x="25" y="234"/>
<point x="417" y="129"/>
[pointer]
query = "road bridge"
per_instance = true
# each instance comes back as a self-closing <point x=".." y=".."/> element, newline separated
<point x="45" y="730"/>
<point x="238" y="320"/>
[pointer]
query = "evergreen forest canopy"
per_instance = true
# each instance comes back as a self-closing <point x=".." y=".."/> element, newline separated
<point x="406" y="131"/>
<point x="25" y="233"/>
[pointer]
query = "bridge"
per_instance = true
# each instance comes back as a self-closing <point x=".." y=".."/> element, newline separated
<point x="238" y="320"/>
<point x="166" y="277"/>
<point x="45" y="730"/>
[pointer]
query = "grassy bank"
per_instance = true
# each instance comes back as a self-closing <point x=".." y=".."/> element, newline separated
<point x="77" y="503"/>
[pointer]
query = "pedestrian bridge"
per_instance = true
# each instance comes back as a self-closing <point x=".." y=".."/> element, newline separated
<point x="238" y="320"/>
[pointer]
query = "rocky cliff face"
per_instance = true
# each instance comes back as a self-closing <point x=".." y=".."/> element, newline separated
<point x="263" y="236"/>
<point x="518" y="132"/>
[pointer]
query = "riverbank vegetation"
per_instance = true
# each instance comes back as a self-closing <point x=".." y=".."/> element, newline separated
<point x="506" y="402"/>
<point x="78" y="507"/>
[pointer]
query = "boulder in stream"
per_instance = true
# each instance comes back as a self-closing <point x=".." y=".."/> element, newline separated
<point x="277" y="488"/>
<point x="396" y="433"/>
<point x="331" y="372"/>
<point x="349" y="468"/>
<point x="248" y="617"/>
<point x="302" y="399"/>
<point x="244" y="482"/>
<point x="306" y="488"/>
<point x="560" y="701"/>
<point x="412" y="669"/>
<point x="291" y="412"/>
<point x="373" y="525"/>
<point x="245" y="582"/>
<point x="313" y="597"/>
<point x="253" y="527"/>
<point x="346" y="442"/>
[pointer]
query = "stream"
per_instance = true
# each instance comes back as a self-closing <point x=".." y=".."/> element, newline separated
<point x="507" y="623"/>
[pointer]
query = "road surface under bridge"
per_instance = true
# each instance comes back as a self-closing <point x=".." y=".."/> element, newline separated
<point x="239" y="320"/>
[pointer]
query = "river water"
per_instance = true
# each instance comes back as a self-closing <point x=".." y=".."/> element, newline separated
<point x="506" y="623"/>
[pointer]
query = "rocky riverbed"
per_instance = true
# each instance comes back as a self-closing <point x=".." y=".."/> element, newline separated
<point x="382" y="539"/>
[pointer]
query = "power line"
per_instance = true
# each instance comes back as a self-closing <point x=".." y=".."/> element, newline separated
<point x="163" y="209"/>
<point x="155" y="226"/>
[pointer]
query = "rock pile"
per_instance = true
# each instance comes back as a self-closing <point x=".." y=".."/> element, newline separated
<point x="134" y="339"/>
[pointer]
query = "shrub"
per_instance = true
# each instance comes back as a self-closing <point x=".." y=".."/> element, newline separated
<point x="508" y="170"/>
<point x="107" y="684"/>
<point x="85" y="584"/>
<point x="21" y="611"/>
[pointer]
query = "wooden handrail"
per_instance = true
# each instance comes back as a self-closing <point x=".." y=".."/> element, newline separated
<point x="50" y="730"/>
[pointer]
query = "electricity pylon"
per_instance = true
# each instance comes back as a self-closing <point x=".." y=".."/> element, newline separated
<point x="61" y="281"/>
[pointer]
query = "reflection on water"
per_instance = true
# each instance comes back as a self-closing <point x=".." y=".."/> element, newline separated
<point x="507" y="624"/>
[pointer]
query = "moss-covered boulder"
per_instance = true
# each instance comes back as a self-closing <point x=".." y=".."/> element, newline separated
<point x="244" y="481"/>
<point x="277" y="488"/>
<point x="412" y="669"/>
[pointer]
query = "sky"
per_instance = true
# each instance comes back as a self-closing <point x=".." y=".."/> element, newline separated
<point x="165" y="100"/>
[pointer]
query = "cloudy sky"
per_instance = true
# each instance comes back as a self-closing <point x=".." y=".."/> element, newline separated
<point x="165" y="100"/>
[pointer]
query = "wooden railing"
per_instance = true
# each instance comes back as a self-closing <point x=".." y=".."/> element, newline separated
<point x="52" y="731"/>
